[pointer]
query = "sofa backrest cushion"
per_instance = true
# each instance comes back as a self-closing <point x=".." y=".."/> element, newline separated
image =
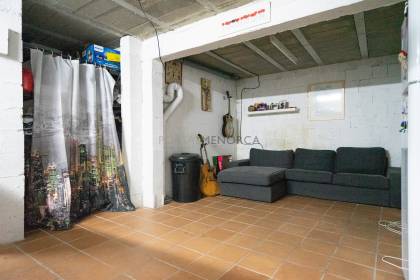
<point x="361" y="160"/>
<point x="283" y="159"/>
<point x="322" y="160"/>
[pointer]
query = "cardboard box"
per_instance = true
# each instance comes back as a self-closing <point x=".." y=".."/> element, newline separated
<point x="103" y="56"/>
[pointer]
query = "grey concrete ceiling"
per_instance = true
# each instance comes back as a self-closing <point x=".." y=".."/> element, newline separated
<point x="333" y="41"/>
<point x="69" y="24"/>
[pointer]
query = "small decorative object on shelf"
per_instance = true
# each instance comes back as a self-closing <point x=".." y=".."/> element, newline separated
<point x="271" y="108"/>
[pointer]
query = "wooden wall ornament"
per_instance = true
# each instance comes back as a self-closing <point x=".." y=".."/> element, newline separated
<point x="173" y="72"/>
<point x="205" y="95"/>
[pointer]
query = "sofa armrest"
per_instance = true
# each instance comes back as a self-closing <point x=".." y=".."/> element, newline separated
<point x="394" y="176"/>
<point x="236" y="163"/>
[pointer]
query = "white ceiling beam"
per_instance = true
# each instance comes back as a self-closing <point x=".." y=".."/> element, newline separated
<point x="301" y="38"/>
<point x="359" y="20"/>
<point x="60" y="9"/>
<point x="140" y="13"/>
<point x="227" y="62"/>
<point x="283" y="49"/>
<point x="265" y="56"/>
<point x="53" y="34"/>
<point x="208" y="5"/>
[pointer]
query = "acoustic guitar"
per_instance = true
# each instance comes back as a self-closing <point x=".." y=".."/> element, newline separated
<point x="208" y="183"/>
<point x="227" y="128"/>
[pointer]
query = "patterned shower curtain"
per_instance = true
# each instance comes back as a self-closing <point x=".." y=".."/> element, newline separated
<point x="75" y="165"/>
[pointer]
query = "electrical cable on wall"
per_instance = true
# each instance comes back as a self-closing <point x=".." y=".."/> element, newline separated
<point x="242" y="92"/>
<point x="156" y="33"/>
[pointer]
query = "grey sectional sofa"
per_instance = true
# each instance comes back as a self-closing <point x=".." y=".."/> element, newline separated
<point x="358" y="175"/>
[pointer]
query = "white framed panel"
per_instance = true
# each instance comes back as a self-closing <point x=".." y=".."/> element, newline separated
<point x="326" y="101"/>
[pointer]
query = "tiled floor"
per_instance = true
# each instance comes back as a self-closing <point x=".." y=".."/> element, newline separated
<point x="215" y="238"/>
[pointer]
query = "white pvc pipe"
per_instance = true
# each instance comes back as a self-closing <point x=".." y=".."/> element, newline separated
<point x="172" y="89"/>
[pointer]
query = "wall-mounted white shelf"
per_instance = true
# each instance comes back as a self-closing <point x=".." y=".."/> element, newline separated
<point x="275" y="111"/>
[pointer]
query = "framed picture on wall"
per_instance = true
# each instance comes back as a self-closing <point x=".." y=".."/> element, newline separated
<point x="326" y="101"/>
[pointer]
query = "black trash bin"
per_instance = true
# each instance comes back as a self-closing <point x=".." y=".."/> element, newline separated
<point x="185" y="177"/>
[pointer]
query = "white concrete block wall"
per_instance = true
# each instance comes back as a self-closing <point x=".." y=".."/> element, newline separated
<point x="188" y="120"/>
<point x="372" y="116"/>
<point x="11" y="131"/>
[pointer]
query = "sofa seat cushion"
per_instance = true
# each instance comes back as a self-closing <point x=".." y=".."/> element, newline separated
<point x="252" y="175"/>
<point x="361" y="160"/>
<point x="361" y="180"/>
<point x="282" y="159"/>
<point x="323" y="160"/>
<point x="304" y="175"/>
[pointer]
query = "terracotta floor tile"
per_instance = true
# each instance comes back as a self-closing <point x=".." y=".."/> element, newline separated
<point x="358" y="243"/>
<point x="293" y="238"/>
<point x="219" y="234"/>
<point x="196" y="228"/>
<point x="257" y="231"/>
<point x="246" y="219"/>
<point x="201" y="244"/>
<point x="209" y="268"/>
<point x="295" y="229"/>
<point x="244" y="241"/>
<point x="135" y="239"/>
<point x="39" y="244"/>
<point x="155" y="229"/>
<point x="212" y="221"/>
<point x="318" y="246"/>
<point x="178" y="236"/>
<point x="332" y="277"/>
<point x="260" y="263"/>
<point x="153" y="270"/>
<point x="389" y="250"/>
<point x="89" y="240"/>
<point x="35" y="272"/>
<point x="356" y="256"/>
<point x="239" y="273"/>
<point x="308" y="259"/>
<point x="234" y="226"/>
<point x="176" y="222"/>
<point x="349" y="270"/>
<point x="380" y="275"/>
<point x="289" y="271"/>
<point x="182" y="275"/>
<point x="325" y="236"/>
<point x="180" y="256"/>
<point x="387" y="267"/>
<point x="106" y="250"/>
<point x="277" y="250"/>
<point x="285" y="238"/>
<point x="228" y="252"/>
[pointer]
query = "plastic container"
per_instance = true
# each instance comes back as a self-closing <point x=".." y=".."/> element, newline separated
<point x="185" y="177"/>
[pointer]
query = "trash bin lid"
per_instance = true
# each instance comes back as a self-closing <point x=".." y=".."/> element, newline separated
<point x="184" y="157"/>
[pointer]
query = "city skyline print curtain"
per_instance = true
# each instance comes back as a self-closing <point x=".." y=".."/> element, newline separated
<point x="75" y="165"/>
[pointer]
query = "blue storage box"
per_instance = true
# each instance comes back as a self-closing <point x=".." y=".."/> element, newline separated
<point x="103" y="56"/>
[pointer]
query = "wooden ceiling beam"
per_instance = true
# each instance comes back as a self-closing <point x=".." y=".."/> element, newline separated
<point x="208" y="5"/>
<point x="359" y="21"/>
<point x="124" y="4"/>
<point x="283" y="49"/>
<point x="227" y="62"/>
<point x="301" y="38"/>
<point x="265" y="56"/>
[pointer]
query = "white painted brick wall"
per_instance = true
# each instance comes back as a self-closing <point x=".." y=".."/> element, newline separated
<point x="373" y="104"/>
<point x="11" y="133"/>
<point x="188" y="119"/>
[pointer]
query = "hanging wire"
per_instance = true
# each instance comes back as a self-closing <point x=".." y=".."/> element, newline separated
<point x="242" y="92"/>
<point x="156" y="32"/>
